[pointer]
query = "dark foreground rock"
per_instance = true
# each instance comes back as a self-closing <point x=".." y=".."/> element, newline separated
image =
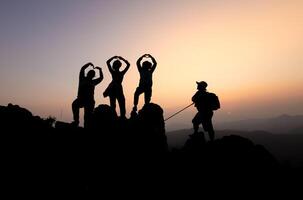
<point x="38" y="156"/>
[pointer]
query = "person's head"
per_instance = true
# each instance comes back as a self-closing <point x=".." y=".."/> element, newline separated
<point x="91" y="74"/>
<point x="116" y="65"/>
<point x="201" y="86"/>
<point x="146" y="65"/>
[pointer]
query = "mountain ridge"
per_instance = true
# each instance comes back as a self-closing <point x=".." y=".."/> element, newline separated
<point x="281" y="124"/>
<point x="288" y="147"/>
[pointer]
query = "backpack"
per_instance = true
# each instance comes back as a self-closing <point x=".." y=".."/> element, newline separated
<point x="214" y="102"/>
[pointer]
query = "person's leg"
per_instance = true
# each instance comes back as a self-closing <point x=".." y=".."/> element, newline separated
<point x="88" y="111"/>
<point x="121" y="101"/>
<point x="211" y="131"/>
<point x="196" y="122"/>
<point x="76" y="107"/>
<point x="112" y="100"/>
<point x="208" y="126"/>
<point x="136" y="97"/>
<point x="147" y="95"/>
<point x="211" y="134"/>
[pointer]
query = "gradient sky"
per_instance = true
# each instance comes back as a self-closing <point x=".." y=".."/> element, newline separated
<point x="250" y="52"/>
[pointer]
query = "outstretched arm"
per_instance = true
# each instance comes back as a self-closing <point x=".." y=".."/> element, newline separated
<point x="154" y="63"/>
<point x="82" y="71"/>
<point x="127" y="64"/>
<point x="139" y="63"/>
<point x="98" y="80"/>
<point x="109" y="65"/>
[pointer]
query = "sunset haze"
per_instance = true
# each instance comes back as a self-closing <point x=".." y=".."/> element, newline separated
<point x="249" y="53"/>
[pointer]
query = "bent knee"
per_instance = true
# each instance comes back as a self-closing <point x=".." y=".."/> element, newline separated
<point x="195" y="121"/>
<point x="75" y="103"/>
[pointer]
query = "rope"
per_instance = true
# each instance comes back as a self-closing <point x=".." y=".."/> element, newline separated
<point x="179" y="112"/>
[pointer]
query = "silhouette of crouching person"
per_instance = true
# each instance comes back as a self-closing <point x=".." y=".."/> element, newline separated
<point x="86" y="91"/>
<point x="146" y="80"/>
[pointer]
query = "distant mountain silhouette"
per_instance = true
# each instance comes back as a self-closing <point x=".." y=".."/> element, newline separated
<point x="298" y="130"/>
<point x="280" y="124"/>
<point x="285" y="147"/>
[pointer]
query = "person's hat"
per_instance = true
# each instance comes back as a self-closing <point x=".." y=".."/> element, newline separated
<point x="202" y="84"/>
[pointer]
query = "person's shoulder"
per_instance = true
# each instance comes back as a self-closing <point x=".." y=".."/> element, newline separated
<point x="197" y="94"/>
<point x="204" y="94"/>
<point x="211" y="94"/>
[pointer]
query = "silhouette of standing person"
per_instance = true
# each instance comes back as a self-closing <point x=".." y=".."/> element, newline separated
<point x="146" y="79"/>
<point x="205" y="104"/>
<point x="86" y="91"/>
<point x="115" y="89"/>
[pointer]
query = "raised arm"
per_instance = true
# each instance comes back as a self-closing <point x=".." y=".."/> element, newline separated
<point x="82" y="71"/>
<point x="139" y="63"/>
<point x="154" y="63"/>
<point x="109" y="65"/>
<point x="127" y="64"/>
<point x="98" y="80"/>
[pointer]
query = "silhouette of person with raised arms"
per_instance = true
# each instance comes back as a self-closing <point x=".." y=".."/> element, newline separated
<point x="146" y="80"/>
<point x="86" y="92"/>
<point x="115" y="89"/>
<point x="205" y="103"/>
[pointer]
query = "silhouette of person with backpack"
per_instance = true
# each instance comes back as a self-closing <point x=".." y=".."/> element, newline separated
<point x="86" y="90"/>
<point x="205" y="103"/>
<point x="146" y="80"/>
<point x="115" y="89"/>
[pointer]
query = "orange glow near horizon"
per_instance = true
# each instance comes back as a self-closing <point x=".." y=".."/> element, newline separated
<point x="250" y="53"/>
